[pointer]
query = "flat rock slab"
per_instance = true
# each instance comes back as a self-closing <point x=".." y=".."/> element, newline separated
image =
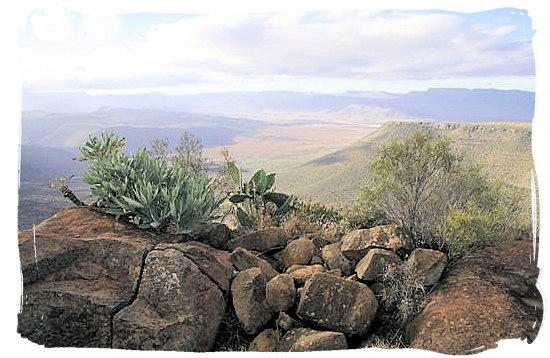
<point x="357" y="243"/>
<point x="178" y="307"/>
<point x="481" y="301"/>
<point x="78" y="267"/>
<point x="301" y="273"/>
<point x="333" y="303"/>
<point x="307" y="340"/>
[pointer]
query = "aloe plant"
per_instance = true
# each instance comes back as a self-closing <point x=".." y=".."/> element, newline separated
<point x="146" y="190"/>
<point x="255" y="198"/>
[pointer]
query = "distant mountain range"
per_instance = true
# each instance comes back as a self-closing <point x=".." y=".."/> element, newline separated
<point x="441" y="104"/>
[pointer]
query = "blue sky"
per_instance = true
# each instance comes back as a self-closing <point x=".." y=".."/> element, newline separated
<point x="321" y="51"/>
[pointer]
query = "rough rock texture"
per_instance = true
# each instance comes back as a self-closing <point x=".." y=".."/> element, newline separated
<point x="249" y="301"/>
<point x="306" y="340"/>
<point x="266" y="341"/>
<point x="281" y="293"/>
<point x="261" y="240"/>
<point x="286" y="322"/>
<point x="486" y="297"/>
<point x="213" y="263"/>
<point x="178" y="307"/>
<point x="336" y="304"/>
<point x="356" y="244"/>
<point x="244" y="259"/>
<point x="77" y="269"/>
<point x="301" y="273"/>
<point x="298" y="252"/>
<point x="334" y="259"/>
<point x="372" y="266"/>
<point x="427" y="265"/>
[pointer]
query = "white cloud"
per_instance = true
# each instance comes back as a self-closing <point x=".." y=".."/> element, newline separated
<point x="224" y="50"/>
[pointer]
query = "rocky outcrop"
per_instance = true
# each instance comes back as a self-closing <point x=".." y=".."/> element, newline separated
<point x="358" y="242"/>
<point x="78" y="267"/>
<point x="249" y="300"/>
<point x="178" y="307"/>
<point x="307" y="340"/>
<point x="488" y="296"/>
<point x="90" y="281"/>
<point x="333" y="303"/>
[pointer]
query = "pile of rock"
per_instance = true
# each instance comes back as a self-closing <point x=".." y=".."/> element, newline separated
<point x="311" y="294"/>
<point x="90" y="281"/>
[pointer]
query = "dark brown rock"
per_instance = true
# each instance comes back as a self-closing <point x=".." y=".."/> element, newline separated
<point x="286" y="322"/>
<point x="427" y="265"/>
<point x="214" y="234"/>
<point x="249" y="300"/>
<point x="177" y="307"/>
<point x="334" y="259"/>
<point x="281" y="293"/>
<point x="481" y="301"/>
<point x="298" y="252"/>
<point x="261" y="240"/>
<point x="374" y="264"/>
<point x="243" y="259"/>
<point x="336" y="304"/>
<point x="266" y="341"/>
<point x="357" y="243"/>
<point x="307" y="340"/>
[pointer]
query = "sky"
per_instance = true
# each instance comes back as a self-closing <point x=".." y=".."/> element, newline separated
<point x="313" y="51"/>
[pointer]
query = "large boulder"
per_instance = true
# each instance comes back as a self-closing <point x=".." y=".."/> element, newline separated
<point x="301" y="273"/>
<point x="178" y="307"/>
<point x="298" y="252"/>
<point x="281" y="293"/>
<point x="373" y="266"/>
<point x="263" y="240"/>
<point x="427" y="265"/>
<point x="266" y="341"/>
<point x="243" y="259"/>
<point x="78" y="267"/>
<point x="249" y="300"/>
<point x="334" y="259"/>
<point x="333" y="303"/>
<point x="358" y="242"/>
<point x="307" y="340"/>
<point x="488" y="296"/>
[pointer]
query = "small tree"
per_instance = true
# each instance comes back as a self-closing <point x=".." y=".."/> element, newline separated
<point x="419" y="184"/>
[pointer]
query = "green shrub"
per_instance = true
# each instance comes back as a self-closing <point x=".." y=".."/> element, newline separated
<point x="318" y="213"/>
<point x="145" y="190"/>
<point x="420" y="184"/>
<point x="255" y="202"/>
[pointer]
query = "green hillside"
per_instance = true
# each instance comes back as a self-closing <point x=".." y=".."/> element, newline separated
<point x="504" y="150"/>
